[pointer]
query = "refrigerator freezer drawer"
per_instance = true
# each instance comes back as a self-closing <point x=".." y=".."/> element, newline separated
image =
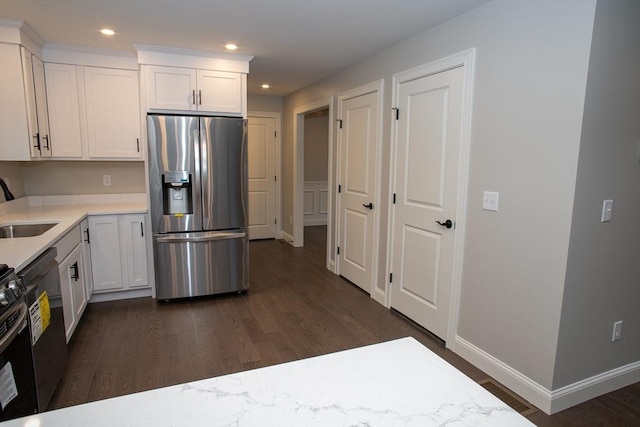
<point x="198" y="264"/>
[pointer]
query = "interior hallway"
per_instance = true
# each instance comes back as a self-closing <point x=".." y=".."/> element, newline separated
<point x="295" y="309"/>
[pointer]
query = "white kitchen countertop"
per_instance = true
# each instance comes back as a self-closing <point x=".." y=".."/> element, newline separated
<point x="19" y="252"/>
<point x="397" y="383"/>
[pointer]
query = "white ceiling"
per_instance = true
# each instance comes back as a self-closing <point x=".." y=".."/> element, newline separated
<point x="294" y="42"/>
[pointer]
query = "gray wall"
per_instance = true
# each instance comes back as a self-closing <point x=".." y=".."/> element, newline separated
<point x="530" y="79"/>
<point x="316" y="146"/>
<point x="603" y="270"/>
<point x="77" y="177"/>
<point x="264" y="103"/>
<point x="11" y="172"/>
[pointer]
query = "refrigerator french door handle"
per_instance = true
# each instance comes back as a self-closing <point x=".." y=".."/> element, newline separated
<point x="206" y="238"/>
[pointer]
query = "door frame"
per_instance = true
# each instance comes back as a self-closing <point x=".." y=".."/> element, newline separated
<point x="464" y="59"/>
<point x="375" y="86"/>
<point x="278" y="162"/>
<point x="298" y="172"/>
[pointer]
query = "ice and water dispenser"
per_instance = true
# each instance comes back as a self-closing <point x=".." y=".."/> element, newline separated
<point x="177" y="193"/>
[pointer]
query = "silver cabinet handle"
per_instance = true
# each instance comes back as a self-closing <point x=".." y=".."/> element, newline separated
<point x="46" y="146"/>
<point x="37" y="138"/>
<point x="200" y="97"/>
<point x="205" y="238"/>
<point x="193" y="96"/>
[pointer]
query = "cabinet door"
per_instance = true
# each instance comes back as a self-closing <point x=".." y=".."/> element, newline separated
<point x="135" y="250"/>
<point x="106" y="263"/>
<point x="30" y="98"/>
<point x="171" y="88"/>
<point x="219" y="91"/>
<point x="86" y="257"/>
<point x="41" y="106"/>
<point x="78" y="291"/>
<point x="64" y="110"/>
<point x="74" y="299"/>
<point x="113" y="113"/>
<point x="67" y="299"/>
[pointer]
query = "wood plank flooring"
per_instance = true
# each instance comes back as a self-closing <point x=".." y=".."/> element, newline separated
<point x="295" y="309"/>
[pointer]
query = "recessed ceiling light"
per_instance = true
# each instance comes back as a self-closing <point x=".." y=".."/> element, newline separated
<point x="107" y="31"/>
<point x="230" y="46"/>
<point x="265" y="86"/>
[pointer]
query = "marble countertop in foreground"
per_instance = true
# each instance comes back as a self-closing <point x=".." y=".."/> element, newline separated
<point x="397" y="383"/>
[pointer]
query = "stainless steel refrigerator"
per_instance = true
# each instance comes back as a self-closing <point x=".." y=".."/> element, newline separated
<point x="198" y="185"/>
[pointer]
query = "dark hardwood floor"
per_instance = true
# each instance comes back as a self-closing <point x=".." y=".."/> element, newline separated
<point x="295" y="309"/>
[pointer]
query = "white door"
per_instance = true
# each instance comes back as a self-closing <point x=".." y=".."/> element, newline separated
<point x="262" y="178"/>
<point x="428" y="138"/>
<point x="358" y="140"/>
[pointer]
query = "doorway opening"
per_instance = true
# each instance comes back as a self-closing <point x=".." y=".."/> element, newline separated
<point x="313" y="115"/>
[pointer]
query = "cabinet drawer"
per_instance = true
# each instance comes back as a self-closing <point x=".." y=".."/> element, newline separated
<point x="66" y="244"/>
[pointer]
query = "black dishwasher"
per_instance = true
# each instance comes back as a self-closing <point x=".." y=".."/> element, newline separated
<point x="17" y="384"/>
<point x="46" y="322"/>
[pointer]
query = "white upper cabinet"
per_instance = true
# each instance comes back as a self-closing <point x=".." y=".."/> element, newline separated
<point x="94" y="112"/>
<point x="64" y="110"/>
<point x="171" y="88"/>
<point x="219" y="91"/>
<point x="23" y="134"/>
<point x="40" y="100"/>
<point x="186" y="89"/>
<point x="113" y="113"/>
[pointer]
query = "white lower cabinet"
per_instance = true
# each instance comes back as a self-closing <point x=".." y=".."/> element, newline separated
<point x="118" y="253"/>
<point x="72" y="283"/>
<point x="86" y="257"/>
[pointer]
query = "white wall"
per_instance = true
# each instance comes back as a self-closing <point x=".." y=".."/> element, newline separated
<point x="603" y="271"/>
<point x="530" y="79"/>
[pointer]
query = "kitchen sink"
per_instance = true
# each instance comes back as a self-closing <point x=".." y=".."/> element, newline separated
<point x="11" y="231"/>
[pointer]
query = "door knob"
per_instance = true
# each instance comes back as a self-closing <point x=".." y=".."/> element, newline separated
<point x="368" y="206"/>
<point x="448" y="223"/>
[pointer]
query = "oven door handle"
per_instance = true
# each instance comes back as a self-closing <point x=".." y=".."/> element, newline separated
<point x="17" y="326"/>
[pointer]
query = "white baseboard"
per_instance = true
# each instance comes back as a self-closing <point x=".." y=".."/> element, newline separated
<point x="331" y="266"/>
<point x="606" y="382"/>
<point x="287" y="237"/>
<point x="549" y="401"/>
<point x="113" y="296"/>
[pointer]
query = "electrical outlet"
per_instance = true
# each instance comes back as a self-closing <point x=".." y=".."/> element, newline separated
<point x="490" y="201"/>
<point x="106" y="180"/>
<point x="617" y="331"/>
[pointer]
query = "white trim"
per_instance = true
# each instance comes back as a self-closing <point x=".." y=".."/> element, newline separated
<point x="118" y="295"/>
<point x="549" y="401"/>
<point x="374" y="87"/>
<point x="278" y="158"/>
<point x="464" y="59"/>
<point x="597" y="385"/>
<point x="298" y="165"/>
<point x="503" y="373"/>
<point x="287" y="237"/>
<point x="189" y="58"/>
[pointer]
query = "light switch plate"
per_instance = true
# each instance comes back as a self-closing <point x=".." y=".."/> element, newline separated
<point x="607" y="210"/>
<point x="490" y="201"/>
